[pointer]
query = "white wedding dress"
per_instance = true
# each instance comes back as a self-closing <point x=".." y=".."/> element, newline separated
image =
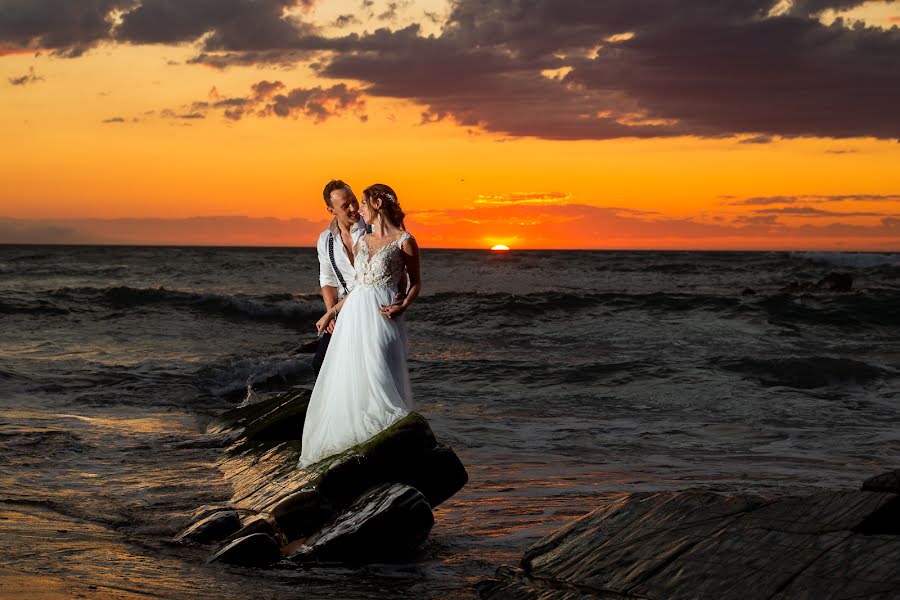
<point x="363" y="385"/>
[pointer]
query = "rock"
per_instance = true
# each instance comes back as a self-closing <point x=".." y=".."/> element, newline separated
<point x="694" y="544"/>
<point x="885" y="482"/>
<point x="204" y="511"/>
<point x="310" y="347"/>
<point x="261" y="466"/>
<point x="748" y="292"/>
<point x="387" y="523"/>
<point x="277" y="418"/>
<point x="301" y="513"/>
<point x="261" y="523"/>
<point x="212" y="528"/>
<point x="256" y="550"/>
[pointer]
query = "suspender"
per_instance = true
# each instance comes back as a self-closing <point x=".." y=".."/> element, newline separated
<point x="334" y="264"/>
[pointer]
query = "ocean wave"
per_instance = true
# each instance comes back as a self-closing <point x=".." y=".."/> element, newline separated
<point x="855" y="260"/>
<point x="805" y="372"/>
<point x="455" y="306"/>
<point x="47" y="440"/>
<point x="535" y="374"/>
<point x="58" y="270"/>
<point x="38" y="307"/>
<point x="281" y="307"/>
<point x="871" y="308"/>
<point x="246" y="375"/>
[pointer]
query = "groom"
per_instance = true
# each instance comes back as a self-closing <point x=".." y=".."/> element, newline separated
<point x="335" y="247"/>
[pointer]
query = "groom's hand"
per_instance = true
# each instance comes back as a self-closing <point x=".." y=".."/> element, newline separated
<point x="330" y="328"/>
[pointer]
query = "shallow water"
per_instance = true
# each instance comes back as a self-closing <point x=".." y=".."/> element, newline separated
<point x="561" y="379"/>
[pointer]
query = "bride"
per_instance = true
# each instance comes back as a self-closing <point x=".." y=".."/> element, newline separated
<point x="363" y="385"/>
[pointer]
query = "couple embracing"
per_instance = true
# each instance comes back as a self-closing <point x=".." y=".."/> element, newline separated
<point x="366" y="260"/>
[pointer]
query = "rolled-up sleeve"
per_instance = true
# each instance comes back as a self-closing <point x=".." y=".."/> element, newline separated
<point x="326" y="272"/>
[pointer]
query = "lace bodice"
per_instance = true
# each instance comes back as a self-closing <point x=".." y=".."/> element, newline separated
<point x="384" y="267"/>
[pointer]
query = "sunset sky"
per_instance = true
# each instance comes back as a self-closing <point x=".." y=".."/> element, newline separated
<point x="694" y="124"/>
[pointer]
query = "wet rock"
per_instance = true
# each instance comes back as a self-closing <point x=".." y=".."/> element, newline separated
<point x="301" y="513"/>
<point x="387" y="523"/>
<point x="261" y="523"/>
<point x="204" y="511"/>
<point x="277" y="418"/>
<point x="256" y="550"/>
<point x="310" y="347"/>
<point x="261" y="466"/>
<point x="885" y="482"/>
<point x="695" y="544"/>
<point x="212" y="528"/>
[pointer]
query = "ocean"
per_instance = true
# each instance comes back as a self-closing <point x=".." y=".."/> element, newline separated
<point x="562" y="379"/>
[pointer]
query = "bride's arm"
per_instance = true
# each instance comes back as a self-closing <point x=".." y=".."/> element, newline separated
<point x="411" y="257"/>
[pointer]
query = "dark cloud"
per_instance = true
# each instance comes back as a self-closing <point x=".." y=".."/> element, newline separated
<point x="65" y="26"/>
<point x="808" y="211"/>
<point x="244" y="25"/>
<point x="556" y="69"/>
<point x="815" y="199"/>
<point x="640" y="68"/>
<point x="70" y="27"/>
<point x="114" y="120"/>
<point x="345" y="20"/>
<point x="216" y="231"/>
<point x="27" y="78"/>
<point x="757" y="139"/>
<point x="272" y="98"/>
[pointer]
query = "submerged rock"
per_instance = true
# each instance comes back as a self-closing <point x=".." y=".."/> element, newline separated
<point x="256" y="550"/>
<point x="387" y="523"/>
<point x="694" y="544"/>
<point x="384" y="486"/>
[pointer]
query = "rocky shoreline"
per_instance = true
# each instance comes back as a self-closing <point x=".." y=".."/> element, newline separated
<point x="371" y="503"/>
<point x="698" y="544"/>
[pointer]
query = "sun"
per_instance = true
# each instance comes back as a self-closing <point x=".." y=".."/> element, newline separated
<point x="500" y="248"/>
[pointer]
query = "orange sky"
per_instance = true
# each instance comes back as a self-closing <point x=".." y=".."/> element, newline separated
<point x="115" y="133"/>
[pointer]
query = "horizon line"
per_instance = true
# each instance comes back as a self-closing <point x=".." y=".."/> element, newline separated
<point x="479" y="249"/>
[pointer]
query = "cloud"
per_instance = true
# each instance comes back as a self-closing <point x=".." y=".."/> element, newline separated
<point x="67" y="28"/>
<point x="554" y="69"/>
<point x="113" y="120"/>
<point x="345" y="20"/>
<point x="271" y="98"/>
<point x="666" y="68"/>
<point x="215" y="231"/>
<point x="29" y="77"/>
<point x="808" y="211"/>
<point x="815" y="199"/>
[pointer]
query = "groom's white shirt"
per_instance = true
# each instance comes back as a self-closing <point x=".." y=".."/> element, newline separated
<point x="326" y="271"/>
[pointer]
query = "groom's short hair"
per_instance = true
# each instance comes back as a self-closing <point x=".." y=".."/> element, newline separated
<point x="335" y="184"/>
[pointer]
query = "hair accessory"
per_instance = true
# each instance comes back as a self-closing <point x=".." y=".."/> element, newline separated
<point x="390" y="197"/>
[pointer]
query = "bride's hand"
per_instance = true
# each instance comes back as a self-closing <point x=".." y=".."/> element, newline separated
<point x="392" y="310"/>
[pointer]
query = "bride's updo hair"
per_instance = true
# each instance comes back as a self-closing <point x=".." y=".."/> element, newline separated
<point x="390" y="205"/>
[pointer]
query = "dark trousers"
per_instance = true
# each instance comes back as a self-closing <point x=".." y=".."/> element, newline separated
<point x="320" y="352"/>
